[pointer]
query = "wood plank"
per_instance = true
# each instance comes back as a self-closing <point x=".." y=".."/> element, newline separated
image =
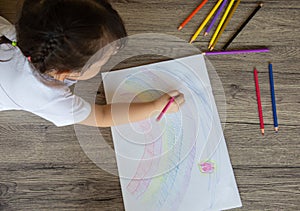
<point x="245" y="144"/>
<point x="248" y="147"/>
<point x="268" y="188"/>
<point x="68" y="188"/>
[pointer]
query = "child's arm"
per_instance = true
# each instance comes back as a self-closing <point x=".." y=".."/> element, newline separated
<point x="116" y="114"/>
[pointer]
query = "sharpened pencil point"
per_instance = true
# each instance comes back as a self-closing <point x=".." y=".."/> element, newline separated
<point x="261" y="4"/>
<point x="263" y="132"/>
<point x="205" y="34"/>
<point x="179" y="28"/>
<point x="276" y="129"/>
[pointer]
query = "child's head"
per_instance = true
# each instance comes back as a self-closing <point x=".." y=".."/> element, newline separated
<point x="62" y="35"/>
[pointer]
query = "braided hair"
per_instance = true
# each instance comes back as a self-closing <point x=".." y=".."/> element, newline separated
<point x="63" y="35"/>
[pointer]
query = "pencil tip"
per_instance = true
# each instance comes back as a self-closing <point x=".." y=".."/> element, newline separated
<point x="261" y="4"/>
<point x="263" y="132"/>
<point x="276" y="129"/>
<point x="205" y="34"/>
<point x="191" y="41"/>
<point x="179" y="28"/>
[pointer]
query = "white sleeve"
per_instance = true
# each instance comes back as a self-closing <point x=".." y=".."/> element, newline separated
<point x="61" y="108"/>
<point x="6" y="28"/>
<point x="65" y="110"/>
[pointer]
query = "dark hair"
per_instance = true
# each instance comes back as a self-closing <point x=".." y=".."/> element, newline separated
<point x="64" y="34"/>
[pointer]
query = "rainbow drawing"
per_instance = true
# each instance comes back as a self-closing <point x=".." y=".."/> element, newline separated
<point x="159" y="162"/>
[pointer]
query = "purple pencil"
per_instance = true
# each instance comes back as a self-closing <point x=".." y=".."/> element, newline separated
<point x="263" y="50"/>
<point x="215" y="18"/>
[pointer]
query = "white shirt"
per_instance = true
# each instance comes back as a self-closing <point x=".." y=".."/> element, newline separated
<point x="23" y="88"/>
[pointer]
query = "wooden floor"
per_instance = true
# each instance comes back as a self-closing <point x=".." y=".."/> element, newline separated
<point x="43" y="167"/>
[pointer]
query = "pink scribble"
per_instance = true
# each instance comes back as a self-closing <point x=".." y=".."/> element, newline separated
<point x="207" y="167"/>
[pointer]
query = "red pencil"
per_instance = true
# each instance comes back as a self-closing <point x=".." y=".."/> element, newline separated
<point x="165" y="108"/>
<point x="192" y="15"/>
<point x="260" y="113"/>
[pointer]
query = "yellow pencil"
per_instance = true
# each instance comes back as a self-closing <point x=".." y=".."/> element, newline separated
<point x="225" y="24"/>
<point x="205" y="21"/>
<point x="221" y="23"/>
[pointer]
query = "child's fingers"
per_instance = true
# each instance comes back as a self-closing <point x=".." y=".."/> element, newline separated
<point x="173" y="93"/>
<point x="179" y="99"/>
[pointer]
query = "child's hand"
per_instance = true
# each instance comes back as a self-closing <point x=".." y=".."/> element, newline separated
<point x="161" y="102"/>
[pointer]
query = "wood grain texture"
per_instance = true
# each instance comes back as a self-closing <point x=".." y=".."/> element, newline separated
<point x="43" y="167"/>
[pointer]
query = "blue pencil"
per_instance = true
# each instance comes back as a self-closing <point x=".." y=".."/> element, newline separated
<point x="273" y="97"/>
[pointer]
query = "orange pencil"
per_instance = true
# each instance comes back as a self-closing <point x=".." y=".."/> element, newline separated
<point x="192" y="15"/>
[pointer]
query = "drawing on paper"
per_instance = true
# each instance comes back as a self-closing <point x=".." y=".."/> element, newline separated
<point x="159" y="165"/>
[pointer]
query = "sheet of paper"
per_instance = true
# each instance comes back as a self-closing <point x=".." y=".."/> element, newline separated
<point x="181" y="162"/>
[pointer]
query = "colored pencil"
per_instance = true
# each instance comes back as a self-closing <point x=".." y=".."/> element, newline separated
<point x="192" y="15"/>
<point x="236" y="4"/>
<point x="205" y="21"/>
<point x="165" y="109"/>
<point x="273" y="97"/>
<point x="260" y="113"/>
<point x="215" y="18"/>
<point x="221" y="23"/>
<point x="242" y="26"/>
<point x="263" y="50"/>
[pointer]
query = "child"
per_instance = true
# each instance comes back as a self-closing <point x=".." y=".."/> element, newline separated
<point x="46" y="52"/>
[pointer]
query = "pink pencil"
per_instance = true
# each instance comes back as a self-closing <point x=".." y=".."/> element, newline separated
<point x="165" y="109"/>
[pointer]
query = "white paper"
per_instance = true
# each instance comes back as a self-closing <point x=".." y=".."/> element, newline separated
<point x="158" y="162"/>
